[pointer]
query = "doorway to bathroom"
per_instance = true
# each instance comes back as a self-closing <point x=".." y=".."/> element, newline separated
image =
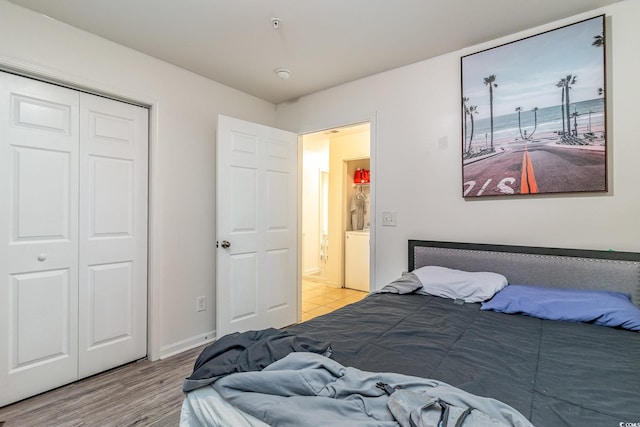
<point x="335" y="205"/>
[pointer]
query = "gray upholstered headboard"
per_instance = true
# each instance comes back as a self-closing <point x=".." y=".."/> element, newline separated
<point x="527" y="265"/>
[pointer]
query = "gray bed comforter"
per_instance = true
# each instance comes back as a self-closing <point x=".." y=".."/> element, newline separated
<point x="310" y="389"/>
<point x="553" y="372"/>
<point x="247" y="351"/>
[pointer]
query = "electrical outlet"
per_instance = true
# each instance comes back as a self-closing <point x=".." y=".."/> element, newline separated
<point x="201" y="303"/>
<point x="389" y="218"/>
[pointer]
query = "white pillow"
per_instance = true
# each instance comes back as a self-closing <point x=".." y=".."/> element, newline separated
<point x="457" y="284"/>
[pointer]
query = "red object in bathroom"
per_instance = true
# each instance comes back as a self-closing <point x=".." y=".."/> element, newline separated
<point x="357" y="177"/>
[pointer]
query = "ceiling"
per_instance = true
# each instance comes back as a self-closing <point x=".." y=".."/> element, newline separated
<point x="323" y="43"/>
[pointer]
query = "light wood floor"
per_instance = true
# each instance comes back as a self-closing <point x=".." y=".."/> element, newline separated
<point x="142" y="393"/>
<point x="319" y="299"/>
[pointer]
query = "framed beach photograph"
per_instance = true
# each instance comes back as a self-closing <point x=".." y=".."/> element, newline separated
<point x="534" y="116"/>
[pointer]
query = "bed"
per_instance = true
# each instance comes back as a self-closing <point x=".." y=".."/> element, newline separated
<point x="553" y="372"/>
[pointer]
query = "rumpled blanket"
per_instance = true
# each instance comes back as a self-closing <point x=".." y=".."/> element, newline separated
<point x="308" y="389"/>
<point x="408" y="283"/>
<point x="248" y="351"/>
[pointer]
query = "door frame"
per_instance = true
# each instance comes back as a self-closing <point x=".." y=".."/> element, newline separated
<point x="322" y="126"/>
<point x="323" y="210"/>
<point x="72" y="81"/>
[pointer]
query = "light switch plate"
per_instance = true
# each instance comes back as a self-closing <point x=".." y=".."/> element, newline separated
<point x="201" y="303"/>
<point x="389" y="218"/>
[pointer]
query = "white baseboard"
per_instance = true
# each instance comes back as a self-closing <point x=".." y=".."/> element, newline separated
<point x="332" y="283"/>
<point x="188" y="344"/>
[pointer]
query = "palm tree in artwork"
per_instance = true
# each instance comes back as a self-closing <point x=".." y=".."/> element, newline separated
<point x="568" y="82"/>
<point x="519" y="110"/>
<point x="561" y="85"/>
<point x="598" y="40"/>
<point x="535" y="121"/>
<point x="465" y="110"/>
<point x="575" y="122"/>
<point x="490" y="81"/>
<point x="473" y="109"/>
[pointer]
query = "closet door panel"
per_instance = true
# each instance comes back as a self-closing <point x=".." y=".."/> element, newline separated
<point x="113" y="233"/>
<point x="39" y="146"/>
<point x="41" y="308"/>
<point x="40" y="209"/>
<point x="41" y="177"/>
<point x="111" y="293"/>
<point x="111" y="205"/>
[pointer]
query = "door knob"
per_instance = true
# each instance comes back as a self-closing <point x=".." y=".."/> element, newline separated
<point x="225" y="244"/>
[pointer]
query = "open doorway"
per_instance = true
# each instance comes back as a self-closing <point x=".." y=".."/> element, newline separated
<point x="330" y="161"/>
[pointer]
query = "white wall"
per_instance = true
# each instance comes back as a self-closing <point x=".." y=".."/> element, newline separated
<point x="417" y="156"/>
<point x="182" y="153"/>
<point x="313" y="163"/>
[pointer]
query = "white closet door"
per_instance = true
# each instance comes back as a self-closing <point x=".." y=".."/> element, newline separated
<point x="73" y="235"/>
<point x="38" y="237"/>
<point x="113" y="233"/>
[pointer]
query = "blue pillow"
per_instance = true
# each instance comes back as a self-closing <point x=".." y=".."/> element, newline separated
<point x="606" y="308"/>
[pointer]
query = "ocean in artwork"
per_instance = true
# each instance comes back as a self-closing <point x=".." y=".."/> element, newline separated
<point x="586" y="118"/>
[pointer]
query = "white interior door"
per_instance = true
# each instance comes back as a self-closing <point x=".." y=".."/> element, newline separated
<point x="73" y="235"/>
<point x="257" y="202"/>
<point x="38" y="237"/>
<point x="113" y="234"/>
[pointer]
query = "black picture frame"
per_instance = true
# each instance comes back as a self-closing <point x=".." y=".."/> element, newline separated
<point x="534" y="114"/>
